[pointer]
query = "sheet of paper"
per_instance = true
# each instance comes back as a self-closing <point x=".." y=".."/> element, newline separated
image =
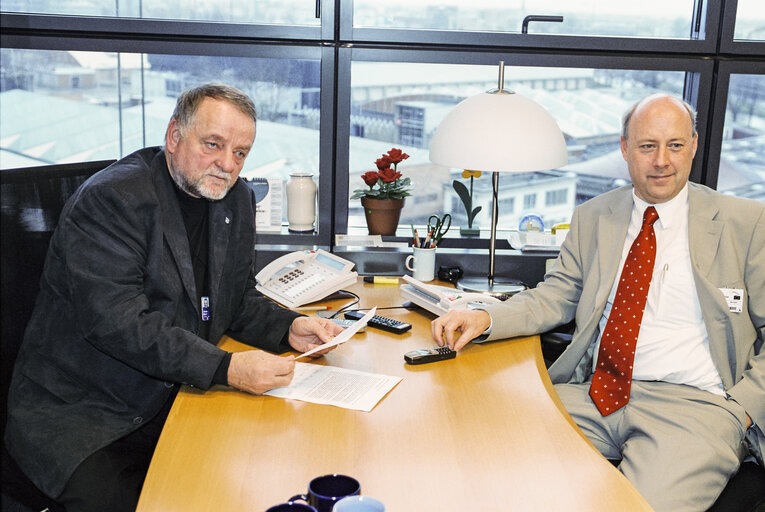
<point x="329" y="385"/>
<point x="359" y="240"/>
<point x="343" y="336"/>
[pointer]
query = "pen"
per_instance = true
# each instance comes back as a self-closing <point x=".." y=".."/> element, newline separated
<point x="312" y="308"/>
<point x="427" y="239"/>
<point x="416" y="239"/>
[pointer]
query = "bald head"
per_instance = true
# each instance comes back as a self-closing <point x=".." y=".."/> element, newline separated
<point x="665" y="99"/>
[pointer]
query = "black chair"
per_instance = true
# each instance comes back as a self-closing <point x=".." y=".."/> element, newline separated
<point x="745" y="491"/>
<point x="31" y="199"/>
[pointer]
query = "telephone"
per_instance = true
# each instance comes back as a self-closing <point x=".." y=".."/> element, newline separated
<point x="304" y="276"/>
<point x="441" y="299"/>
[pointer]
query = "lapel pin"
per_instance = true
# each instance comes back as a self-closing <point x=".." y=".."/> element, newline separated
<point x="228" y="220"/>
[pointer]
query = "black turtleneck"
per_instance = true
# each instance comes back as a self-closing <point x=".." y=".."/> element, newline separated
<point x="195" y="212"/>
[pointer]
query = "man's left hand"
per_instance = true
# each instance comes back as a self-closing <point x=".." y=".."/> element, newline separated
<point x="307" y="332"/>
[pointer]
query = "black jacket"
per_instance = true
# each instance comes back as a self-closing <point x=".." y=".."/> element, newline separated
<point x="114" y="324"/>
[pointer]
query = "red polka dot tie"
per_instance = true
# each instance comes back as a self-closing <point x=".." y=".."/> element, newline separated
<point x="610" y="389"/>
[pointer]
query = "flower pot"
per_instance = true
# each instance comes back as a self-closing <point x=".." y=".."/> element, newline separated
<point x="382" y="215"/>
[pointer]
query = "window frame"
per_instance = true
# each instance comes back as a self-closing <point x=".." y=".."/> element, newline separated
<point x="716" y="127"/>
<point x="697" y="90"/>
<point x="703" y="21"/>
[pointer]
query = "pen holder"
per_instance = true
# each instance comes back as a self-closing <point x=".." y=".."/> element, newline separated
<point x="422" y="263"/>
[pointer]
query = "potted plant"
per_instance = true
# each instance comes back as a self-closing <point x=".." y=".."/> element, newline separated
<point x="384" y="199"/>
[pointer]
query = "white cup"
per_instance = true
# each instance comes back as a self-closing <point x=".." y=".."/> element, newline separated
<point x="359" y="504"/>
<point x="424" y="268"/>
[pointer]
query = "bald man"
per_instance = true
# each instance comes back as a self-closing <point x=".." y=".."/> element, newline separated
<point x="690" y="409"/>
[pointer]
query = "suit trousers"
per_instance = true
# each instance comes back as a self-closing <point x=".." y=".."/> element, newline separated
<point x="111" y="478"/>
<point x="678" y="444"/>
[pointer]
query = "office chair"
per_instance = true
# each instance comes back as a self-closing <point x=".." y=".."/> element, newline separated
<point x="32" y="200"/>
<point x="745" y="491"/>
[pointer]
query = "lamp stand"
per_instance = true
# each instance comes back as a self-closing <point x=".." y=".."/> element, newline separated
<point x="500" y="288"/>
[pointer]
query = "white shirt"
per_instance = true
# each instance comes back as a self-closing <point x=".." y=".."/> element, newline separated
<point x="672" y="345"/>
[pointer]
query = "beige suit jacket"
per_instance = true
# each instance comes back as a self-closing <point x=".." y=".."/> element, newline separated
<point x="727" y="246"/>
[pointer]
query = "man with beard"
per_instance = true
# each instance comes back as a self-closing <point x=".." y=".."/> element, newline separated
<point x="151" y="263"/>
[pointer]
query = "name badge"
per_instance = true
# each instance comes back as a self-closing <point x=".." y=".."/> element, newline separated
<point x="205" y="309"/>
<point x="734" y="297"/>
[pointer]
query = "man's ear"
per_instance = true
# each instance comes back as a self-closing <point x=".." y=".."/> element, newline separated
<point x="624" y="147"/>
<point x="172" y="136"/>
<point x="694" y="145"/>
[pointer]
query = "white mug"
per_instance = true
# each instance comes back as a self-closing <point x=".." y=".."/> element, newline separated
<point x="424" y="268"/>
<point x="359" y="504"/>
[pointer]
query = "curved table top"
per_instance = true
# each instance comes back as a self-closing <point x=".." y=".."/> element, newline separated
<point x="482" y="431"/>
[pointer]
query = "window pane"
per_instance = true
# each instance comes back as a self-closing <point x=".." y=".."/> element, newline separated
<point x="288" y="12"/>
<point x="649" y="18"/>
<point x="401" y="105"/>
<point x="742" y="160"/>
<point x="750" y="21"/>
<point x="64" y="106"/>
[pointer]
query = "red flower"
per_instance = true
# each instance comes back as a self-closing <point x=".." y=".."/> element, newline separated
<point x="370" y="178"/>
<point x="383" y="163"/>
<point x="395" y="155"/>
<point x="389" y="175"/>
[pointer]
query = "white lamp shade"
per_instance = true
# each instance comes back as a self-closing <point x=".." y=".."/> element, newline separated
<point x="499" y="132"/>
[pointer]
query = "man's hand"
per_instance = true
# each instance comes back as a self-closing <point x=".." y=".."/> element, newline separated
<point x="307" y="332"/>
<point x="471" y="323"/>
<point x="256" y="371"/>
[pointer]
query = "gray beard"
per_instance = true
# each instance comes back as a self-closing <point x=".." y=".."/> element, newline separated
<point x="194" y="189"/>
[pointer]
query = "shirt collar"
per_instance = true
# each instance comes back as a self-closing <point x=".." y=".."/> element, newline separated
<point x="670" y="212"/>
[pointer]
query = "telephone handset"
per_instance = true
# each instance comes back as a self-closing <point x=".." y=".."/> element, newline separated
<point x="304" y="276"/>
<point x="441" y="299"/>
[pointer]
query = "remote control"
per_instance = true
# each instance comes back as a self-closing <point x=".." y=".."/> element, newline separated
<point x="381" y="322"/>
<point x="342" y="322"/>
<point x="429" y="355"/>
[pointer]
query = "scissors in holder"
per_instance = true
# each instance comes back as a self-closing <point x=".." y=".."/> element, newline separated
<point x="438" y="226"/>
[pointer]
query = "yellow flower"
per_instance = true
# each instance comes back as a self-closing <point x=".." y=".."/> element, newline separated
<point x="471" y="174"/>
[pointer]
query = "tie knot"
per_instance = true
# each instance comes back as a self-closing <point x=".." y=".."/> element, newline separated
<point x="650" y="216"/>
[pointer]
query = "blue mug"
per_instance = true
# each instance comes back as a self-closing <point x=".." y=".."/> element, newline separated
<point x="291" y="507"/>
<point x="325" y="491"/>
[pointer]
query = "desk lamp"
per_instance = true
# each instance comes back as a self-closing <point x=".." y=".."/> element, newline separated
<point x="497" y="131"/>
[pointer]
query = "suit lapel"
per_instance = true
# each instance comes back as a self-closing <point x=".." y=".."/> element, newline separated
<point x="221" y="220"/>
<point x="612" y="230"/>
<point x="173" y="227"/>
<point x="704" y="231"/>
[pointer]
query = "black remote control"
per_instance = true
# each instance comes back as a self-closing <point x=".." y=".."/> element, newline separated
<point x="381" y="322"/>
<point x="429" y="355"/>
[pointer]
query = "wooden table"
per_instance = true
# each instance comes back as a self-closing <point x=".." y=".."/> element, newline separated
<point x="482" y="432"/>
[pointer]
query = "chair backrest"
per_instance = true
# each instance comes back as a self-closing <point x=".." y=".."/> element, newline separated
<point x="31" y="201"/>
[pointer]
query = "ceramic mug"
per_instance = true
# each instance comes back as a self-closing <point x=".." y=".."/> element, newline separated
<point x="291" y="507"/>
<point x="359" y="504"/>
<point x="424" y="268"/>
<point x="325" y="491"/>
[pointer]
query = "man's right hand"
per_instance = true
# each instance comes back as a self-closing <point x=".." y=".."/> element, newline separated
<point x="468" y="323"/>
<point x="256" y="371"/>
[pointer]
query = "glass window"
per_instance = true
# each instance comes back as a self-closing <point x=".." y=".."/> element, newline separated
<point x="742" y="159"/>
<point x="282" y="12"/>
<point x="68" y="106"/>
<point x="401" y="105"/>
<point x="649" y="18"/>
<point x="750" y="21"/>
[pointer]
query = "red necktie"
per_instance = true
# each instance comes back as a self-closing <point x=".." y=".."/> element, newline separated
<point x="610" y="389"/>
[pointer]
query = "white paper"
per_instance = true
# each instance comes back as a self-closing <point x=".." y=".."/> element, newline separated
<point x="330" y="385"/>
<point x="268" y="211"/>
<point x="343" y="336"/>
<point x="359" y="240"/>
